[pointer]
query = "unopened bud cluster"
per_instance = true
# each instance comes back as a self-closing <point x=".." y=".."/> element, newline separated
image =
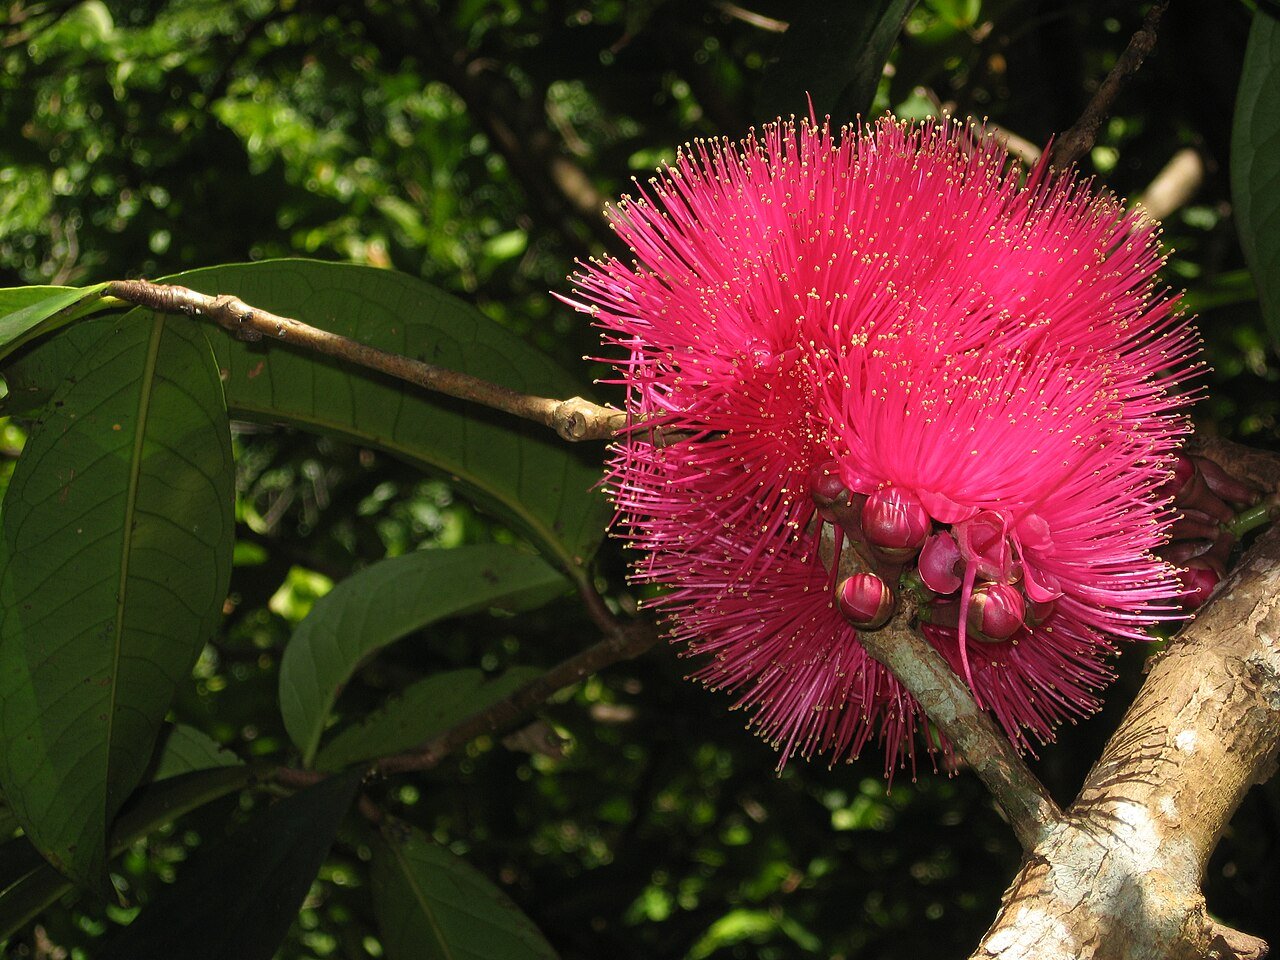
<point x="968" y="561"/>
<point x="1206" y="499"/>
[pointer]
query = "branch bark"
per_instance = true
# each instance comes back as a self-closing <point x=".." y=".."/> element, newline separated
<point x="1079" y="139"/>
<point x="572" y="419"/>
<point x="948" y="703"/>
<point x="1119" y="878"/>
<point x="625" y="643"/>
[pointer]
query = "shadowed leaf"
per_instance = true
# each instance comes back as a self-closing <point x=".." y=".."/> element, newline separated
<point x="834" y="53"/>
<point x="383" y="603"/>
<point x="432" y="905"/>
<point x="184" y="749"/>
<point x="1255" y="164"/>
<point x="26" y="890"/>
<point x="239" y="896"/>
<point x="422" y="710"/>
<point x="115" y="553"/>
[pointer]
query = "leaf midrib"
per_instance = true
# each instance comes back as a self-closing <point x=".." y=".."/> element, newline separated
<point x="420" y="895"/>
<point x="130" y="510"/>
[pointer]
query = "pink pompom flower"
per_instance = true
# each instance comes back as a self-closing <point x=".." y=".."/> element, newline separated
<point x="839" y="347"/>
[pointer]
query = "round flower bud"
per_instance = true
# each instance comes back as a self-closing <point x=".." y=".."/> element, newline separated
<point x="941" y="563"/>
<point x="1197" y="584"/>
<point x="894" y="521"/>
<point x="996" y="612"/>
<point x="825" y="485"/>
<point x="865" y="600"/>
<point x="1183" y="469"/>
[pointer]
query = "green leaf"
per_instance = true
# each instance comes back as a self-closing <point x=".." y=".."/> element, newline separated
<point x="432" y="905"/>
<point x="239" y="896"/>
<point x="28" y="312"/>
<point x="521" y="473"/>
<point x="33" y="374"/>
<point x="8" y="822"/>
<point x="1255" y="163"/>
<point x="834" y="53"/>
<point x="387" y="601"/>
<point x="186" y="749"/>
<point x="115" y="553"/>
<point x="422" y="710"/>
<point x="24" y="897"/>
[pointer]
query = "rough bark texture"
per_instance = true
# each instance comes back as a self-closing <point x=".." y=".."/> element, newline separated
<point x="1119" y="878"/>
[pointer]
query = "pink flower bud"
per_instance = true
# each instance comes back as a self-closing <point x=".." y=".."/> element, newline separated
<point x="1198" y="584"/>
<point x="865" y="600"/>
<point x="983" y="542"/>
<point x="1195" y="525"/>
<point x="1183" y="471"/>
<point x="894" y="521"/>
<point x="996" y="612"/>
<point x="940" y="564"/>
<point x="825" y="485"/>
<point x="1221" y="484"/>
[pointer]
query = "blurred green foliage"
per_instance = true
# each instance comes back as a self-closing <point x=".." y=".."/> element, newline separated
<point x="473" y="142"/>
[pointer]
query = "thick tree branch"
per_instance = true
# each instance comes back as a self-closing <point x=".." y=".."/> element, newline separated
<point x="572" y="419"/>
<point x="1079" y="140"/>
<point x="1120" y="878"/>
<point x="948" y="703"/>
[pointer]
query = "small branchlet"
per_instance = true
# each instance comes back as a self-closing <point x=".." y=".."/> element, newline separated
<point x="574" y="419"/>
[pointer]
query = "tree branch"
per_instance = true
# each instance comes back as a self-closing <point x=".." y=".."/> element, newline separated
<point x="1119" y="879"/>
<point x="572" y="419"/>
<point x="948" y="703"/>
<point x="627" y="642"/>
<point x="1079" y="139"/>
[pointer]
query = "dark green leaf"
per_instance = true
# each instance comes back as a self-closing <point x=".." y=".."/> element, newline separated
<point x="421" y="711"/>
<point x="1255" y="163"/>
<point x="34" y="373"/>
<point x="239" y="896"/>
<point x="8" y="822"/>
<point x="26" y="895"/>
<point x="115" y="552"/>
<point x="432" y="905"/>
<point x="28" y="312"/>
<point x="185" y="749"/>
<point x="834" y="53"/>
<point x="383" y="603"/>
<point x="519" y="472"/>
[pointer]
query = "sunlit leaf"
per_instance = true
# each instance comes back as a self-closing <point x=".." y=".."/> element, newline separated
<point x="523" y="474"/>
<point x="520" y="472"/>
<point x="28" y="312"/>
